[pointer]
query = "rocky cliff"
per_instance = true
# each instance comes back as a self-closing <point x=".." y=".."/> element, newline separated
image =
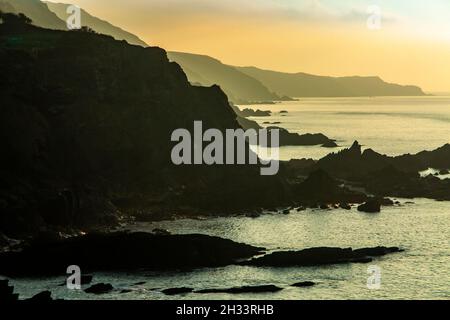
<point x="85" y="126"/>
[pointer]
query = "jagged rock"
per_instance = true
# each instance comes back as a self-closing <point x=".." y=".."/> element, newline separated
<point x="100" y="288"/>
<point x="254" y="113"/>
<point x="371" y="206"/>
<point x="176" y="291"/>
<point x="319" y="256"/>
<point x="321" y="187"/>
<point x="244" y="289"/>
<point x="121" y="251"/>
<point x="389" y="176"/>
<point x="303" y="284"/>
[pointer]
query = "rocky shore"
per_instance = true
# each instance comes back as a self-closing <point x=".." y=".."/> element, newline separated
<point x="131" y="251"/>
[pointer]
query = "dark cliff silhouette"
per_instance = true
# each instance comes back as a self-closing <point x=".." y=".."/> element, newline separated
<point x="85" y="132"/>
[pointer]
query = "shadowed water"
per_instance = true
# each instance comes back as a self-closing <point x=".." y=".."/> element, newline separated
<point x="421" y="272"/>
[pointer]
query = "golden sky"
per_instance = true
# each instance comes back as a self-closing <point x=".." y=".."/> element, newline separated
<point x="325" y="37"/>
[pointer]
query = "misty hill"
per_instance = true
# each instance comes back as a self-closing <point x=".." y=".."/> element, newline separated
<point x="206" y="71"/>
<point x="85" y="131"/>
<point x="36" y="11"/>
<point x="100" y="26"/>
<point x="307" y="85"/>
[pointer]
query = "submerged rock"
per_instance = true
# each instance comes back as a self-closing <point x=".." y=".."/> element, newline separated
<point x="122" y="251"/>
<point x="176" y="291"/>
<point x="100" y="288"/>
<point x="303" y="284"/>
<point x="319" y="256"/>
<point x="244" y="289"/>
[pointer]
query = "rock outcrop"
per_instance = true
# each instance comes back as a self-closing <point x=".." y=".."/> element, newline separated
<point x="319" y="256"/>
<point x="125" y="251"/>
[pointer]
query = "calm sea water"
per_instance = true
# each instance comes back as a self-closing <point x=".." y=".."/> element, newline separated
<point x="388" y="125"/>
<point x="391" y="125"/>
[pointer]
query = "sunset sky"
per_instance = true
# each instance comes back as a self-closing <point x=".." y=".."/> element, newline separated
<point x="326" y="37"/>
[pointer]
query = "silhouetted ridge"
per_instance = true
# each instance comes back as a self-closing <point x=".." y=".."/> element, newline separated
<point x="307" y="85"/>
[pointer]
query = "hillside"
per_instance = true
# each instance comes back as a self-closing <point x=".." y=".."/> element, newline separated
<point x="36" y="11"/>
<point x="307" y="85"/>
<point x="99" y="25"/>
<point x="239" y="87"/>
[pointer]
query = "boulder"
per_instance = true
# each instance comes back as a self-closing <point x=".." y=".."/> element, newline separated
<point x="371" y="206"/>
<point x="345" y="206"/>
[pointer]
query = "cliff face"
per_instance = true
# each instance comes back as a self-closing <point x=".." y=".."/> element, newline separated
<point x="85" y="127"/>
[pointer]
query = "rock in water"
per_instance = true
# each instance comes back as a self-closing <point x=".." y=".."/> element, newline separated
<point x="176" y="291"/>
<point x="244" y="289"/>
<point x="345" y="206"/>
<point x="100" y="288"/>
<point x="303" y="284"/>
<point x="319" y="256"/>
<point x="330" y="144"/>
<point x="371" y="206"/>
